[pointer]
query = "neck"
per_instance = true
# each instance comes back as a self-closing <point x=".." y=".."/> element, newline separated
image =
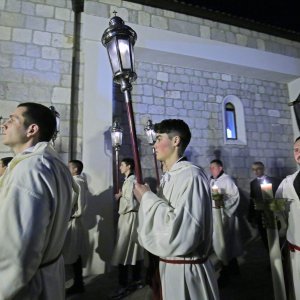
<point x="20" y="148"/>
<point x="170" y="161"/>
<point x="127" y="173"/>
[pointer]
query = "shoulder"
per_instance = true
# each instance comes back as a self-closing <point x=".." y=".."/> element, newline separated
<point x="187" y="172"/>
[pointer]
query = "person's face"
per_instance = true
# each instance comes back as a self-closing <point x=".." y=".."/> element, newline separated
<point x="297" y="152"/>
<point x="72" y="169"/>
<point x="258" y="170"/>
<point x="14" y="131"/>
<point x="2" y="168"/>
<point x="215" y="170"/>
<point x="164" y="146"/>
<point x="124" y="168"/>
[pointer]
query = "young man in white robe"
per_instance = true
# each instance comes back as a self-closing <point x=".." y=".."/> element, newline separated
<point x="76" y="243"/>
<point x="128" y="254"/>
<point x="35" y="207"/>
<point x="176" y="224"/>
<point x="228" y="252"/>
<point x="290" y="189"/>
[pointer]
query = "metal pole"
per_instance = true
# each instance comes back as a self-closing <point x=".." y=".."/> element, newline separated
<point x="136" y="157"/>
<point x="117" y="188"/>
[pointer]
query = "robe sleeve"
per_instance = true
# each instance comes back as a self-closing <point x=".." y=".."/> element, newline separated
<point x="167" y="231"/>
<point x="79" y="195"/>
<point x="231" y="199"/>
<point x="24" y="219"/>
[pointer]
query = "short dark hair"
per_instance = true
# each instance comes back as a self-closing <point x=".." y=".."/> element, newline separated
<point x="41" y="115"/>
<point x="129" y="162"/>
<point x="259" y="163"/>
<point x="173" y="127"/>
<point x="297" y="139"/>
<point x="6" y="160"/>
<point x="78" y="164"/>
<point x="217" y="162"/>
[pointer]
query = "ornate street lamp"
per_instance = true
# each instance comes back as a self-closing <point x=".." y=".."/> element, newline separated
<point x="151" y="138"/>
<point x="116" y="141"/>
<point x="119" y="40"/>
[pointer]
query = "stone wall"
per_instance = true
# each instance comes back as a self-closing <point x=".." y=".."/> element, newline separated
<point x="36" y="40"/>
<point x="163" y="91"/>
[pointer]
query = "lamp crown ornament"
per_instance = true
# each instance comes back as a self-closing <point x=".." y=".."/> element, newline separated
<point x="119" y="40"/>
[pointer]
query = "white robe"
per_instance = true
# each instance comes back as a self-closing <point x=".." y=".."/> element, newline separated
<point x="286" y="190"/>
<point x="35" y="207"/>
<point x="76" y="242"/>
<point x="231" y="197"/>
<point x="177" y="224"/>
<point x="127" y="250"/>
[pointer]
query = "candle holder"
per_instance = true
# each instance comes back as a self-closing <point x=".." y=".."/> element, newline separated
<point x="217" y="196"/>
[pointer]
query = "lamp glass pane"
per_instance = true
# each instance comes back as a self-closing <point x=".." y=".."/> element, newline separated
<point x="116" y="138"/>
<point x="150" y="136"/>
<point x="113" y="55"/>
<point x="125" y="54"/>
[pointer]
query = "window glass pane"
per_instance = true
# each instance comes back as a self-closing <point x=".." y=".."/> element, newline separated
<point x="230" y="124"/>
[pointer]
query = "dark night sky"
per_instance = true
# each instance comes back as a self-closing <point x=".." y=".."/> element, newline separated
<point x="283" y="14"/>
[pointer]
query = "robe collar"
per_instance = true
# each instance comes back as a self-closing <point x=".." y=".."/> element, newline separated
<point x="177" y="165"/>
<point x="221" y="173"/>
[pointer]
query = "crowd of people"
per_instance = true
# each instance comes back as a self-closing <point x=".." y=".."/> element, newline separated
<point x="176" y="227"/>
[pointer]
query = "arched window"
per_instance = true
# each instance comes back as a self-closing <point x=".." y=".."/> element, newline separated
<point x="234" y="121"/>
<point x="230" y="121"/>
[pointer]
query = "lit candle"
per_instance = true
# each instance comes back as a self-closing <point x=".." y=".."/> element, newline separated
<point x="215" y="189"/>
<point x="266" y="190"/>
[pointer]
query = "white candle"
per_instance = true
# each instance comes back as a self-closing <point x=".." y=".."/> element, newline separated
<point x="266" y="190"/>
<point x="215" y="189"/>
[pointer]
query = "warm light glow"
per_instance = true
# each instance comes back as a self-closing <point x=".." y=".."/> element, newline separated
<point x="215" y="189"/>
<point x="266" y="190"/>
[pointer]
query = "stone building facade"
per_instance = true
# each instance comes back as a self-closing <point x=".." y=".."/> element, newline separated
<point x="36" y="54"/>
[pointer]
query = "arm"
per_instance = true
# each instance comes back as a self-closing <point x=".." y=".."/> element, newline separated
<point x="24" y="221"/>
<point x="79" y="197"/>
<point x="167" y="231"/>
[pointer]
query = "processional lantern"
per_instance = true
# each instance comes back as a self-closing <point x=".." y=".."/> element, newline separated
<point x="119" y="40"/>
<point x="151" y="138"/>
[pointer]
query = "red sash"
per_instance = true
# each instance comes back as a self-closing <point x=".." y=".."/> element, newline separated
<point x="292" y="247"/>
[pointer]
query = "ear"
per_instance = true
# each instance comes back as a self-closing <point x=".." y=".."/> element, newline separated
<point x="32" y="130"/>
<point x="176" y="140"/>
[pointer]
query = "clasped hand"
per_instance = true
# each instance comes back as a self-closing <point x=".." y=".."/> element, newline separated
<point x="139" y="190"/>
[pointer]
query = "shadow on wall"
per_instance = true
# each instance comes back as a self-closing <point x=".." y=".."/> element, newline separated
<point x="99" y="220"/>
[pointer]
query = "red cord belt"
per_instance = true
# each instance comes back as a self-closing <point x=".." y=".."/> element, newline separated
<point x="292" y="247"/>
<point x="184" y="261"/>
